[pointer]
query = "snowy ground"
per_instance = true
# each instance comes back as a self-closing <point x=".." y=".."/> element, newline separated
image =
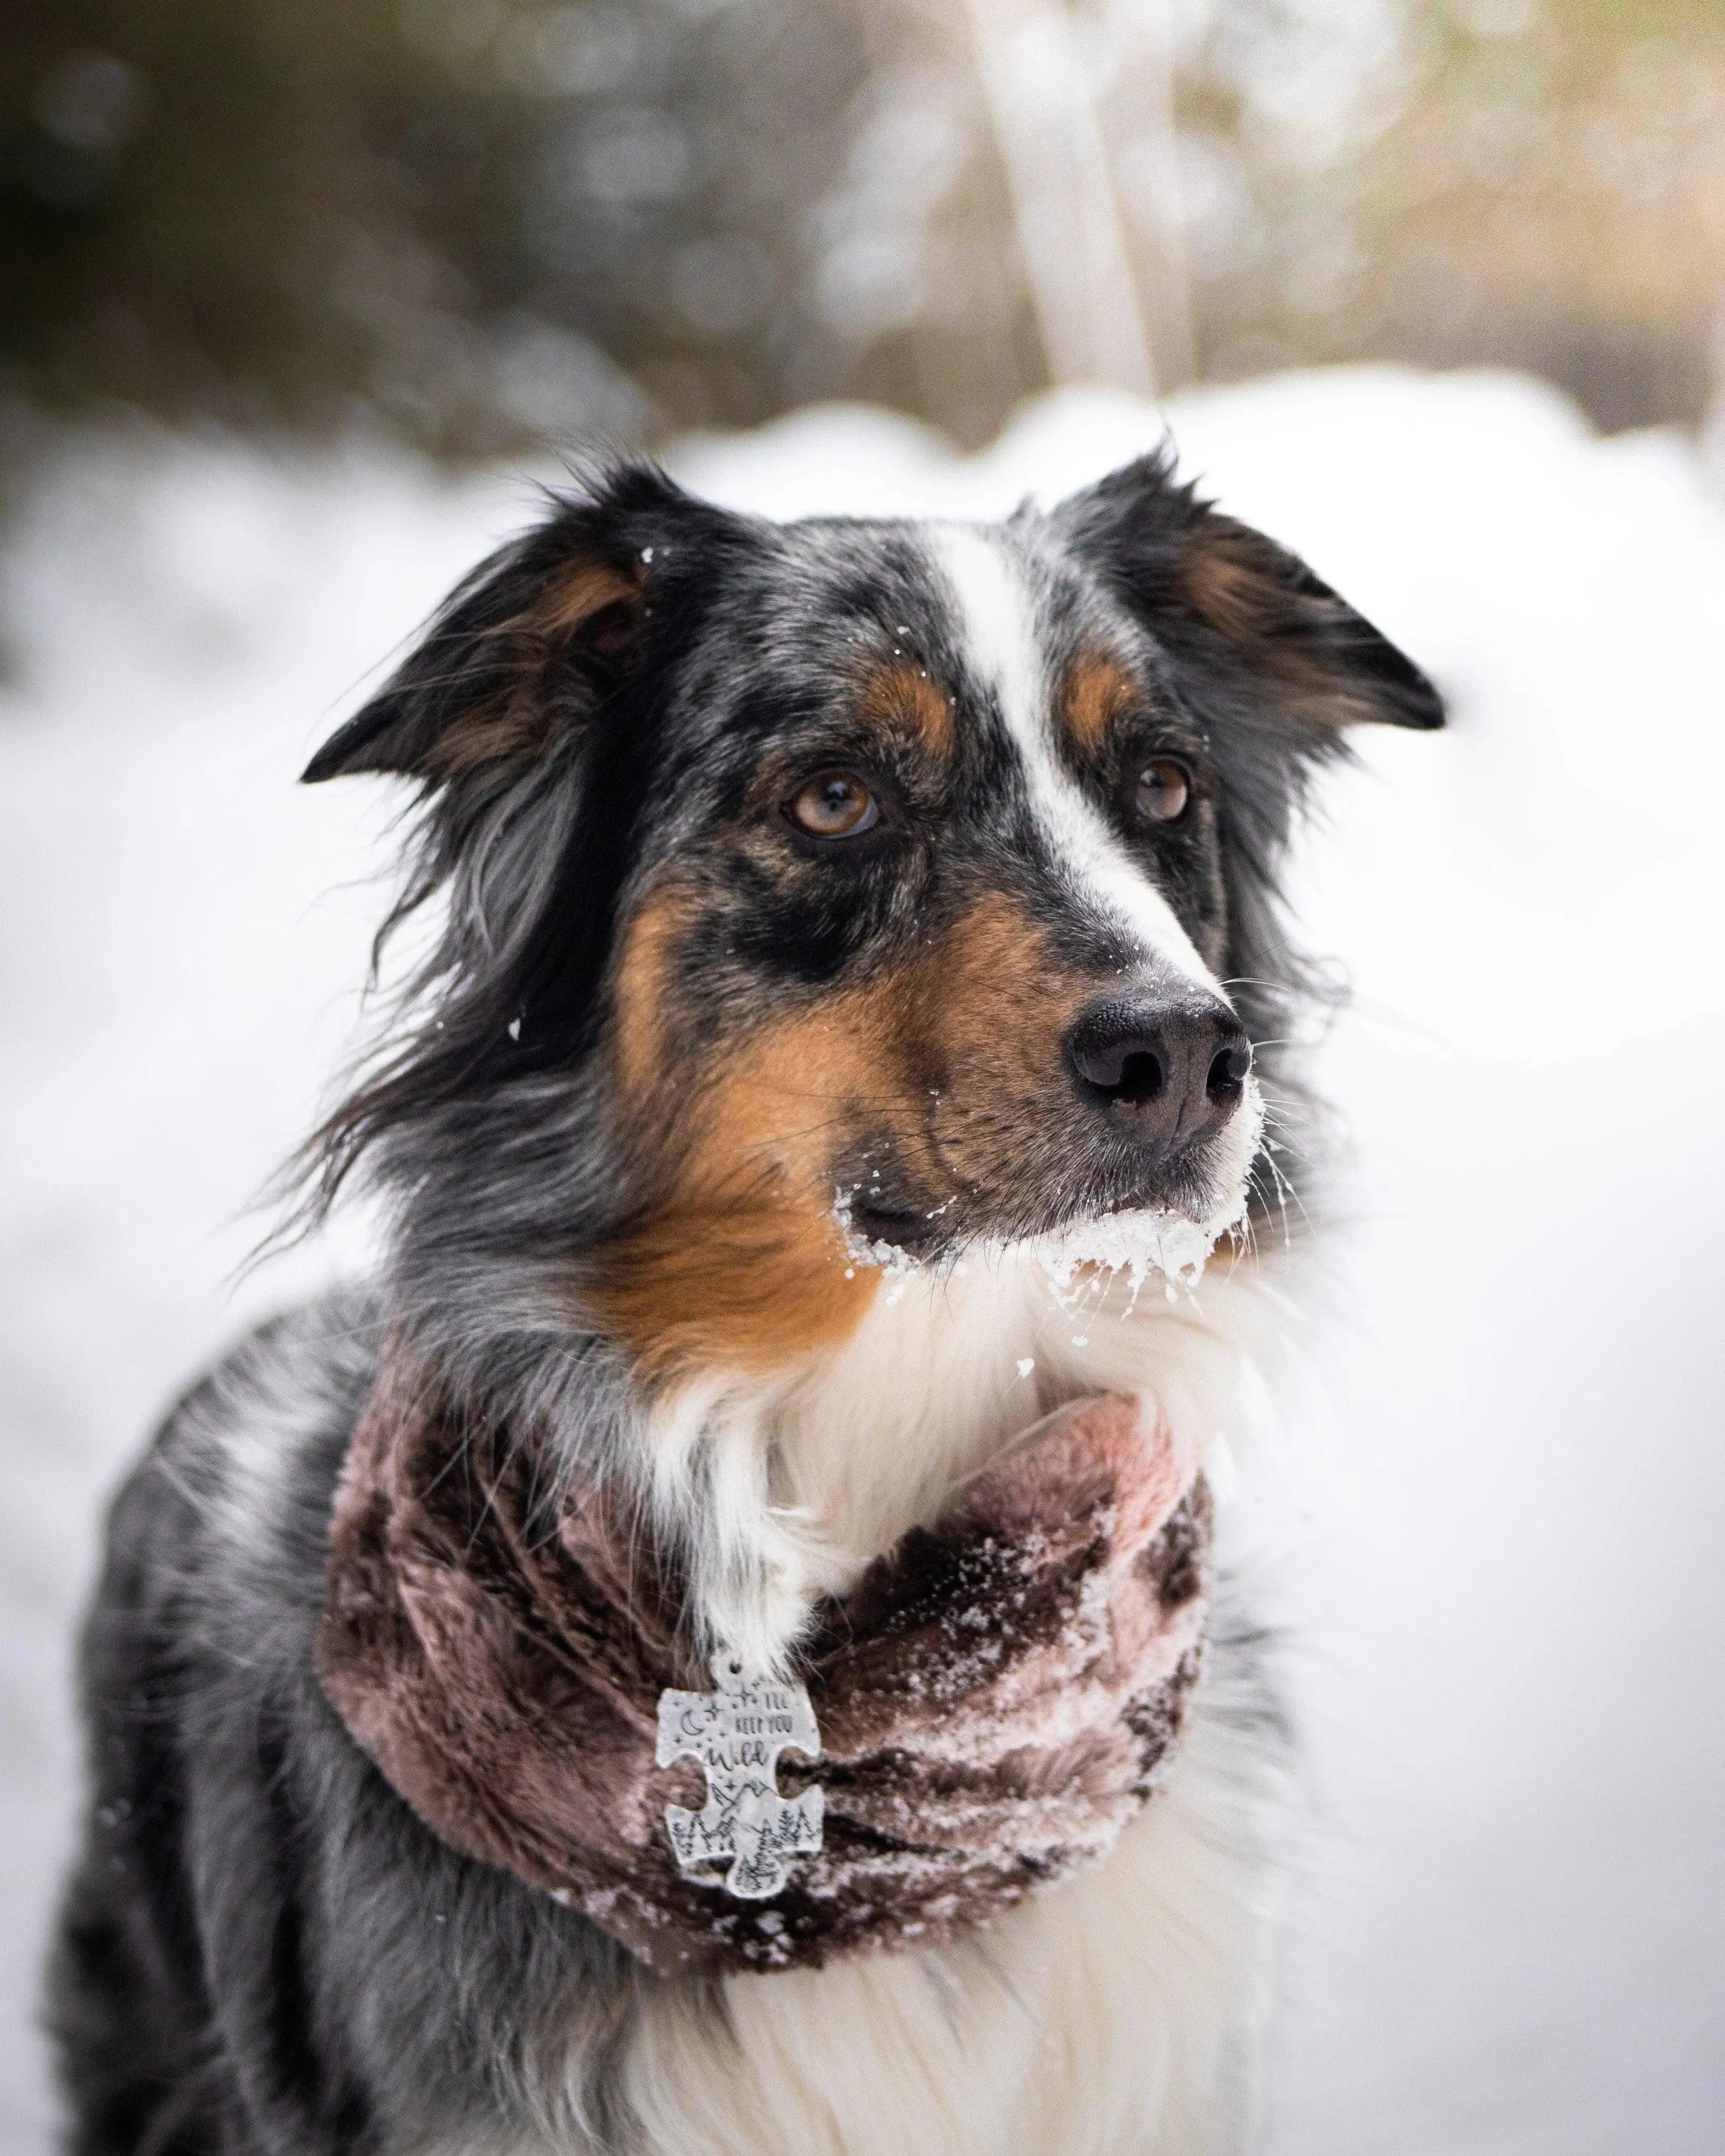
<point x="1511" y="1935"/>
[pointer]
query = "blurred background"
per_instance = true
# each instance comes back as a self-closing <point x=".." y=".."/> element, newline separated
<point x="472" y="222"/>
<point x="298" y="303"/>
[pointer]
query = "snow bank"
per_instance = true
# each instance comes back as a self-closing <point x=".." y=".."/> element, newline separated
<point x="1510" y="1936"/>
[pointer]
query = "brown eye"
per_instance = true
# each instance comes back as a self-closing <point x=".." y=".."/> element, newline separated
<point x="1164" y="788"/>
<point x="835" y="804"/>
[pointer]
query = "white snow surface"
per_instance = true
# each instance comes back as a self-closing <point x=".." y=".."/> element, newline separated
<point x="1509" y="1934"/>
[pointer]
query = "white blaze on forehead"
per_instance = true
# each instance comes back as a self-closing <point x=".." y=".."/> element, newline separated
<point x="997" y="621"/>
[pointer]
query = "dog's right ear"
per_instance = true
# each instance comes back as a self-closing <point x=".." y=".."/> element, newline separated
<point x="524" y="647"/>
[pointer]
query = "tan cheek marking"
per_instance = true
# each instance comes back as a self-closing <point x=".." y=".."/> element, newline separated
<point x="751" y="1291"/>
<point x="639" y="991"/>
<point x="995" y="1006"/>
<point x="992" y="993"/>
<point x="1097" y="692"/>
<point x="740" y="1264"/>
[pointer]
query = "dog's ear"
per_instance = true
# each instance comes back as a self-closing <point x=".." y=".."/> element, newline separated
<point x="1205" y="583"/>
<point x="523" y="647"/>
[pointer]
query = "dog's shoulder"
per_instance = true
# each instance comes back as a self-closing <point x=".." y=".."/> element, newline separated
<point x="215" y="1548"/>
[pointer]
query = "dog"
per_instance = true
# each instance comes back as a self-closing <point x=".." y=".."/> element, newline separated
<point x="847" y="947"/>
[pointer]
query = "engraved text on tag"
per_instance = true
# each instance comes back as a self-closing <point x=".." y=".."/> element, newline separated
<point x="737" y="1733"/>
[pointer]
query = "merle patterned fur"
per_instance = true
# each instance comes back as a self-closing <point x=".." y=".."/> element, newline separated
<point x="262" y="1947"/>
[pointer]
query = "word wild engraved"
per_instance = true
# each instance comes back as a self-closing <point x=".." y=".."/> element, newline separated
<point x="737" y="1733"/>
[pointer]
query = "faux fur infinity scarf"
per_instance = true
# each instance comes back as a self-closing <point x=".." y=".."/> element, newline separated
<point x="995" y="1698"/>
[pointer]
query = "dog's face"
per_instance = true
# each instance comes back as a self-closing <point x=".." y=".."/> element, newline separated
<point x="901" y="880"/>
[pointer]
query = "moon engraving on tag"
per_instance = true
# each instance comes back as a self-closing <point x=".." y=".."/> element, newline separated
<point x="737" y="1733"/>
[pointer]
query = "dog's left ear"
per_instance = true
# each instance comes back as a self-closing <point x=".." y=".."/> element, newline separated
<point x="1218" y="589"/>
<point x="524" y="647"/>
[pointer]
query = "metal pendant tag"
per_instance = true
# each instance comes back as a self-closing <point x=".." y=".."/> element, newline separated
<point x="737" y="1733"/>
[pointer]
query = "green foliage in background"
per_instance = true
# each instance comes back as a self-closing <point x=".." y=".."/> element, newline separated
<point x="480" y="221"/>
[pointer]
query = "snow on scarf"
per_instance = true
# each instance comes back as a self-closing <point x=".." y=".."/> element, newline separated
<point x="997" y="1697"/>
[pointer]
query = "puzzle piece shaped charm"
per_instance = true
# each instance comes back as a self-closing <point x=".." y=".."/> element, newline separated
<point x="737" y="1733"/>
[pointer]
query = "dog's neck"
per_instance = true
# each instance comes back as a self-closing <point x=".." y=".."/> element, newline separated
<point x="783" y="1487"/>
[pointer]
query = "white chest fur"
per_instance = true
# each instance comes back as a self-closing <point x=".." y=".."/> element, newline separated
<point x="785" y="1487"/>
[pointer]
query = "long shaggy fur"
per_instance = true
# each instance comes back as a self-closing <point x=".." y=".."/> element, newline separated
<point x="723" y="1167"/>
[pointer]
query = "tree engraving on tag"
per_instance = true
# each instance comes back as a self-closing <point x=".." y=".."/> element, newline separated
<point x="737" y="1733"/>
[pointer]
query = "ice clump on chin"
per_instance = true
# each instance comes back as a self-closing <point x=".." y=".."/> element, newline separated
<point x="1136" y="1244"/>
<point x="1147" y="1239"/>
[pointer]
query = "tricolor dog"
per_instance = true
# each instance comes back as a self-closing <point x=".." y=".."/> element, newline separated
<point x="718" y="1647"/>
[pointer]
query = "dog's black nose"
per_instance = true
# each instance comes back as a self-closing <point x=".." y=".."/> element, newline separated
<point x="1167" y="1074"/>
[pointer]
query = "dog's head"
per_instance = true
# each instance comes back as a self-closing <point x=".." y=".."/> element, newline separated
<point x="826" y="892"/>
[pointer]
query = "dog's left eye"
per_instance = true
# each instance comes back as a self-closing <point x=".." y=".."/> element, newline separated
<point x="834" y="804"/>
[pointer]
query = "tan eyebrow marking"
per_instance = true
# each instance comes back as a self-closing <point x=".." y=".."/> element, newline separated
<point x="1097" y="691"/>
<point x="902" y="699"/>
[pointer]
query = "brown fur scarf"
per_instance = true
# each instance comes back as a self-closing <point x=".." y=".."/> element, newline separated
<point x="996" y="1697"/>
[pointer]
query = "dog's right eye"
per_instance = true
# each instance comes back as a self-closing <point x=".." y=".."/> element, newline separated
<point x="834" y="804"/>
<point x="1163" y="789"/>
